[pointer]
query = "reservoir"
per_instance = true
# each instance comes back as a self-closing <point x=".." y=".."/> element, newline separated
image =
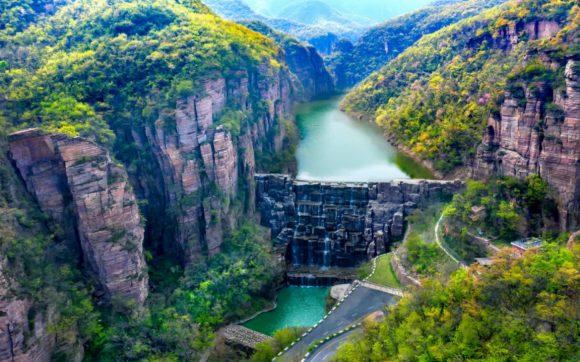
<point x="296" y="307"/>
<point x="333" y="147"/>
<point x="337" y="147"/>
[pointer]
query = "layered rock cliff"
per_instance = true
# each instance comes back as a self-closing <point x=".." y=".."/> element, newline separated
<point x="531" y="135"/>
<point x="90" y="202"/>
<point x="200" y="174"/>
<point x="23" y="338"/>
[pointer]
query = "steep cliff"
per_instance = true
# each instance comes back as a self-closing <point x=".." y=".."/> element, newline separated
<point x="434" y="98"/>
<point x="207" y="165"/>
<point x="102" y="210"/>
<point x="303" y="60"/>
<point x="36" y="274"/>
<point x="532" y="135"/>
<point x="191" y="117"/>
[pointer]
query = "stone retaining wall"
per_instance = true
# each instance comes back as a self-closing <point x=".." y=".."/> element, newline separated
<point x="402" y="274"/>
<point x="404" y="277"/>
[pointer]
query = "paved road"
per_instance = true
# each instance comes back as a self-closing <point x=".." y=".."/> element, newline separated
<point x="327" y="350"/>
<point x="443" y="248"/>
<point x="362" y="302"/>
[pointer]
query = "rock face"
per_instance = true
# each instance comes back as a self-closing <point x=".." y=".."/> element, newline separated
<point x="78" y="186"/>
<point x="332" y="224"/>
<point x="308" y="66"/>
<point x="197" y="171"/>
<point x="15" y="324"/>
<point x="517" y="144"/>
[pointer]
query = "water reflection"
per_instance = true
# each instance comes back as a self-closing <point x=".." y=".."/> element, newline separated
<point x="337" y="147"/>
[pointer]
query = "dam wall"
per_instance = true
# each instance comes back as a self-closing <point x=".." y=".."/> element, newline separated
<point x="329" y="224"/>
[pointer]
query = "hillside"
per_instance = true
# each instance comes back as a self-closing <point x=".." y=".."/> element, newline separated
<point x="380" y="44"/>
<point x="234" y="10"/>
<point x="435" y="97"/>
<point x="320" y="14"/>
<point x="516" y="309"/>
<point x="127" y="180"/>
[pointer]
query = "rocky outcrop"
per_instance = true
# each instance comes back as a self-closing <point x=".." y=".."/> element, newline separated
<point x="334" y="224"/>
<point x="507" y="37"/>
<point x="517" y="144"/>
<point x="18" y="341"/>
<point x="201" y="168"/>
<point x="308" y="66"/>
<point x="75" y="178"/>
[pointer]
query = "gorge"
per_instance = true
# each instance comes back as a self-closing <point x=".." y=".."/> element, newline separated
<point x="166" y="173"/>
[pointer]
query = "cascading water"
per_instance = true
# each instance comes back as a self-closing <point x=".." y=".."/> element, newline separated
<point x="329" y="225"/>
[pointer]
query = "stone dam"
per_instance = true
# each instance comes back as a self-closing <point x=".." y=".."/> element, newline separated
<point x="328" y="225"/>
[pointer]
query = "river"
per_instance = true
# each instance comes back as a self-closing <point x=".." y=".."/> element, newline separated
<point x="337" y="147"/>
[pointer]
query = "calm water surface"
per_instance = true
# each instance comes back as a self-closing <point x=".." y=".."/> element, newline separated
<point x="337" y="147"/>
<point x="296" y="307"/>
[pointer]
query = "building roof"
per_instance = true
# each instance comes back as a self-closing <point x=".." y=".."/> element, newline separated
<point x="484" y="261"/>
<point x="528" y="243"/>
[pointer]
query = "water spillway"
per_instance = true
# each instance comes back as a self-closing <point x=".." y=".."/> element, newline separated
<point x="330" y="224"/>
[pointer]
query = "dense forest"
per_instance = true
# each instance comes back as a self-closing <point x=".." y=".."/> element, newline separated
<point x="434" y="99"/>
<point x="377" y="46"/>
<point x="521" y="309"/>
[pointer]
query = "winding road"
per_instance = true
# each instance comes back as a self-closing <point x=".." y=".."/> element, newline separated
<point x="358" y="305"/>
<point x="327" y="350"/>
<point x="441" y="246"/>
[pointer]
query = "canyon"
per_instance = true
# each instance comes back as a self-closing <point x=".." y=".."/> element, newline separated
<point x="181" y="187"/>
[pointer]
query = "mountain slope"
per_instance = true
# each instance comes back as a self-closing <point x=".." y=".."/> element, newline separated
<point x="320" y="14"/>
<point x="303" y="60"/>
<point x="435" y="96"/>
<point x="149" y="120"/>
<point x="234" y="10"/>
<point x="504" y="312"/>
<point x="384" y="42"/>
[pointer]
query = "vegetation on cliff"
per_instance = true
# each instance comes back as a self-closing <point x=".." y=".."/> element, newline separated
<point x="520" y="309"/>
<point x="37" y="269"/>
<point x="512" y="209"/>
<point x="436" y="96"/>
<point x="186" y="307"/>
<point x="384" y="42"/>
<point x="121" y="64"/>
<point x="100" y="70"/>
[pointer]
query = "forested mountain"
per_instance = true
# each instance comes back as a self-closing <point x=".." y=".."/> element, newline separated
<point x="436" y="96"/>
<point x="521" y="309"/>
<point x="377" y="46"/>
<point x="321" y="14"/>
<point x="321" y="38"/>
<point x="377" y="10"/>
<point x="127" y="185"/>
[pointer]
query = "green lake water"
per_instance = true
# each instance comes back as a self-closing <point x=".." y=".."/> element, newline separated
<point x="296" y="307"/>
<point x="337" y="147"/>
